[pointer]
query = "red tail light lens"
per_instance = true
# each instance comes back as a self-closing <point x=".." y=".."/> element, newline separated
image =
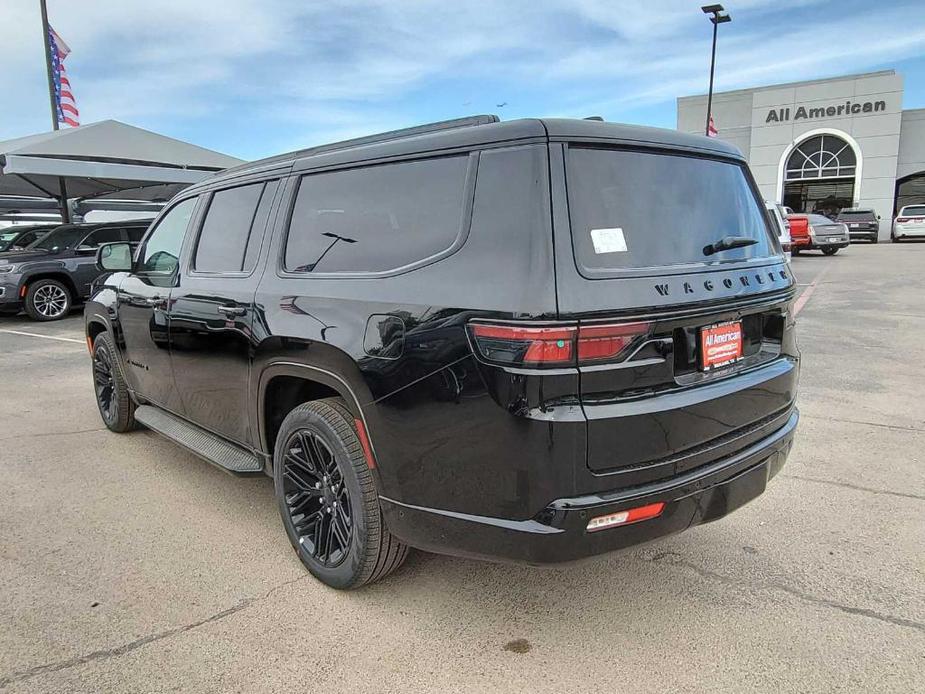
<point x="529" y="346"/>
<point x="565" y="345"/>
<point x="903" y="220"/>
<point x="607" y="342"/>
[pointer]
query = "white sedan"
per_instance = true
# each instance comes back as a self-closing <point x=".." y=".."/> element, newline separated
<point x="909" y="223"/>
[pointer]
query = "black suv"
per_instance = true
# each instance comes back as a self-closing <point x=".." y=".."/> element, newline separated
<point x="53" y="273"/>
<point x="862" y="223"/>
<point x="532" y="341"/>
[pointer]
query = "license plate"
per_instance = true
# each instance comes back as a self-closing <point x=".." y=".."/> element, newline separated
<point x="834" y="239"/>
<point x="720" y="345"/>
<point x="854" y="226"/>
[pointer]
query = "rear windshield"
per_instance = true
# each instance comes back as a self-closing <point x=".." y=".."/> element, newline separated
<point x="819" y="220"/>
<point x="865" y="215"/>
<point x="914" y="210"/>
<point x="633" y="209"/>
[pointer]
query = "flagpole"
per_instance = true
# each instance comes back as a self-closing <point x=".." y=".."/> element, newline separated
<point x="48" y="68"/>
<point x="62" y="200"/>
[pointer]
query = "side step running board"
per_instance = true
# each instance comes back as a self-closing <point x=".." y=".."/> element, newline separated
<point x="208" y="446"/>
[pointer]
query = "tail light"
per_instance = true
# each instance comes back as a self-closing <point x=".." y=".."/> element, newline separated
<point x="607" y="342"/>
<point x="903" y="220"/>
<point x="565" y="345"/>
<point x="521" y="345"/>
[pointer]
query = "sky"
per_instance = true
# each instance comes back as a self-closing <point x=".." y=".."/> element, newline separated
<point x="252" y="78"/>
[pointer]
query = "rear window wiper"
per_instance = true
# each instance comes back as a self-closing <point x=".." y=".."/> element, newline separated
<point x="727" y="243"/>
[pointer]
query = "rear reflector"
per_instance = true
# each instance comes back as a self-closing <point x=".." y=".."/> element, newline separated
<point x="364" y="443"/>
<point x="597" y="342"/>
<point x="633" y="515"/>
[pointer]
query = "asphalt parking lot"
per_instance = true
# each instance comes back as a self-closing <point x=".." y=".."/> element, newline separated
<point x="128" y="565"/>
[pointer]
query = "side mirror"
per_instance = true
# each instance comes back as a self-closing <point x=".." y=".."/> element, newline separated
<point x="114" y="257"/>
<point x="878" y="217"/>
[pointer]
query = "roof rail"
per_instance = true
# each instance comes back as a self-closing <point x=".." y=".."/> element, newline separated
<point x="466" y="122"/>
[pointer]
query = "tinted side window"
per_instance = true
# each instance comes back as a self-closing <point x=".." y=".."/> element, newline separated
<point x="106" y="235"/>
<point x="376" y="218"/>
<point x="259" y="226"/>
<point x="161" y="253"/>
<point x="136" y="234"/>
<point x="227" y="226"/>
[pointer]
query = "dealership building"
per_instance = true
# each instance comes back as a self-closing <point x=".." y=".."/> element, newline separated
<point x="822" y="145"/>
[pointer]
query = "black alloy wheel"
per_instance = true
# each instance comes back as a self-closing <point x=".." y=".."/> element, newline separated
<point x="112" y="397"/>
<point x="327" y="498"/>
<point x="317" y="498"/>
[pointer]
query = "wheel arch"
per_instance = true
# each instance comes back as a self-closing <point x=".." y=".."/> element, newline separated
<point x="283" y="385"/>
<point x="95" y="326"/>
<point x="58" y="275"/>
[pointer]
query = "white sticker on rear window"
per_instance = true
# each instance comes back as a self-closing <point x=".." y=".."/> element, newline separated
<point x="608" y="240"/>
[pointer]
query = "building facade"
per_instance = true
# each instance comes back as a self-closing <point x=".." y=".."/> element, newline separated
<point x="822" y="145"/>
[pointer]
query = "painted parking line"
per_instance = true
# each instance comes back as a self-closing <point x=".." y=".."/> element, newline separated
<point x="808" y="292"/>
<point x="45" y="337"/>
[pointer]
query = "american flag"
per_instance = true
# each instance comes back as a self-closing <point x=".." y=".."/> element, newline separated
<point x="64" y="96"/>
<point x="711" y="130"/>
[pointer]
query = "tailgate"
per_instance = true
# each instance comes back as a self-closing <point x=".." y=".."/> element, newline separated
<point x="681" y="249"/>
<point x="657" y="413"/>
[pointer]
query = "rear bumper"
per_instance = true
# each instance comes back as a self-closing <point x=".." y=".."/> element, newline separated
<point x="822" y="243"/>
<point x="557" y="533"/>
<point x="909" y="232"/>
<point x="868" y="234"/>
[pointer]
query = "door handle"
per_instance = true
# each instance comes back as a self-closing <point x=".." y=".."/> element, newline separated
<point x="232" y="310"/>
<point x="145" y="301"/>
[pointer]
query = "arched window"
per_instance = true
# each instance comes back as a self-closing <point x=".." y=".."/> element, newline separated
<point x="822" y="156"/>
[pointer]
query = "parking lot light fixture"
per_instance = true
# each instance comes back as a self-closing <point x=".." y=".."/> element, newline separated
<point x="717" y="17"/>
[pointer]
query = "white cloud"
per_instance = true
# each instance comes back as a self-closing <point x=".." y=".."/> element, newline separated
<point x="295" y="73"/>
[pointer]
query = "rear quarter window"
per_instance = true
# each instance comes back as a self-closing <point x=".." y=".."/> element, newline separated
<point x="377" y="218"/>
<point x="634" y="210"/>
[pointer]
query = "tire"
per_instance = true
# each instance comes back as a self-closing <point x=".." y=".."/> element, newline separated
<point x="874" y="239"/>
<point x="116" y="406"/>
<point x="48" y="300"/>
<point x="327" y="496"/>
<point x="794" y="252"/>
<point x="829" y="251"/>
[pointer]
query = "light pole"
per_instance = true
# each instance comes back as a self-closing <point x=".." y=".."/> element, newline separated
<point x="717" y="17"/>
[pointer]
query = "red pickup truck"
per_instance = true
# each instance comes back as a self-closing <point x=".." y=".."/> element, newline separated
<point x="815" y="231"/>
